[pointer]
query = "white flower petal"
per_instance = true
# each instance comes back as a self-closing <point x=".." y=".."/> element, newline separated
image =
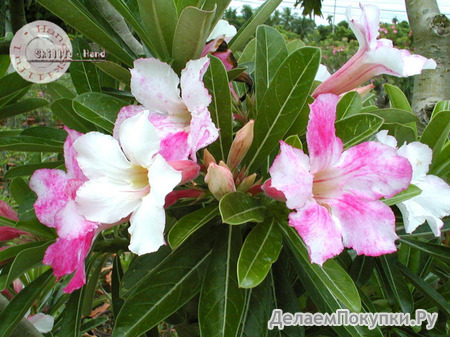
<point x="155" y="85"/>
<point x="100" y="155"/>
<point x="147" y="227"/>
<point x="195" y="95"/>
<point x="419" y="156"/>
<point x="139" y="139"/>
<point x="386" y="139"/>
<point x="366" y="28"/>
<point x="106" y="201"/>
<point x="43" y="323"/>
<point x="322" y="74"/>
<point x="222" y="29"/>
<point x="162" y="178"/>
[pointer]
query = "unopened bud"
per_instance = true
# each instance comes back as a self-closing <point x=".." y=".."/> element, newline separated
<point x="189" y="169"/>
<point x="220" y="180"/>
<point x="247" y="183"/>
<point x="208" y="158"/>
<point x="272" y="192"/>
<point x="241" y="144"/>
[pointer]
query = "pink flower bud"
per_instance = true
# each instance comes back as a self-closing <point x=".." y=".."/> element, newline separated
<point x="241" y="144"/>
<point x="208" y="158"/>
<point x="189" y="169"/>
<point x="272" y="192"/>
<point x="220" y="180"/>
<point x="174" y="196"/>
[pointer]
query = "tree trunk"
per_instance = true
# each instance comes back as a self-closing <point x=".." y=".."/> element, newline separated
<point x="431" y="32"/>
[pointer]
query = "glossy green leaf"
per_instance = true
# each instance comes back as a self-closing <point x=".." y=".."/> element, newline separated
<point x="58" y="91"/>
<point x="237" y="208"/>
<point x="19" y="305"/>
<point x="63" y="110"/>
<point x="12" y="251"/>
<point x="397" y="98"/>
<point x="294" y="141"/>
<point x="249" y="52"/>
<point x="98" y="108"/>
<point x="271" y="52"/>
<point x="159" y="18"/>
<point x="396" y="116"/>
<point x="259" y="17"/>
<point x="95" y="266"/>
<point x="402" y="133"/>
<point x="396" y="283"/>
<point x="356" y="129"/>
<point x="216" y="82"/>
<point x="80" y="18"/>
<point x="361" y="269"/>
<point x="24" y="105"/>
<point x="260" y="250"/>
<point x="89" y="324"/>
<point x="26" y="259"/>
<point x="411" y="192"/>
<point x="437" y="131"/>
<point x="294" y="45"/>
<point x="441" y="163"/>
<point x="28" y="170"/>
<point x="12" y="86"/>
<point x="45" y="132"/>
<point x="165" y="289"/>
<point x="439" y="251"/>
<point x="192" y="30"/>
<point x="349" y="105"/>
<point x="116" y="280"/>
<point x="219" y="5"/>
<point x="221" y="301"/>
<point x="5" y="61"/>
<point x="190" y="223"/>
<point x="329" y="278"/>
<point x="115" y="70"/>
<point x="425" y="289"/>
<point x="71" y="321"/>
<point x="30" y="144"/>
<point x="84" y="74"/>
<point x="441" y="106"/>
<point x="282" y="103"/>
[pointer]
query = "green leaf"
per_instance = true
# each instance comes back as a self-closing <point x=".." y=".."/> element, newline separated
<point x="25" y="105"/>
<point x="216" y="82"/>
<point x="249" y="52"/>
<point x="396" y="283"/>
<point x="349" y="105"/>
<point x="425" y="289"/>
<point x="28" y="170"/>
<point x="96" y="263"/>
<point x="17" y="308"/>
<point x="84" y="74"/>
<point x="294" y="45"/>
<point x="411" y="192"/>
<point x="63" y="110"/>
<point x="115" y="70"/>
<point x="395" y="116"/>
<point x="330" y="279"/>
<point x="192" y="30"/>
<point x="159" y="18"/>
<point x="237" y="208"/>
<point x="219" y="5"/>
<point x="71" y="321"/>
<point x="439" y="251"/>
<point x="436" y="133"/>
<point x="282" y="103"/>
<point x="221" y="301"/>
<point x="402" y="133"/>
<point x="397" y="98"/>
<point x="30" y="144"/>
<point x="271" y="52"/>
<point x="98" y="108"/>
<point x="441" y="106"/>
<point x="165" y="289"/>
<point x="11" y="86"/>
<point x="259" y="17"/>
<point x="58" y="91"/>
<point x="5" y="61"/>
<point x="116" y="280"/>
<point x="12" y="251"/>
<point x="190" y="223"/>
<point x="260" y="250"/>
<point x="79" y="17"/>
<point x="26" y="259"/>
<point x="441" y="163"/>
<point x="46" y="132"/>
<point x="356" y="129"/>
<point x="361" y="269"/>
<point x="294" y="141"/>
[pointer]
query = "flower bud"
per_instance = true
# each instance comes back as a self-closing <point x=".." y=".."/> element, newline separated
<point x="189" y="169"/>
<point x="247" y="183"/>
<point x="220" y="180"/>
<point x="241" y="144"/>
<point x="272" y="192"/>
<point x="208" y="158"/>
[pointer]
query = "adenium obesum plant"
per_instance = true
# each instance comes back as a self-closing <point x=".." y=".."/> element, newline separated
<point x="374" y="57"/>
<point x="335" y="193"/>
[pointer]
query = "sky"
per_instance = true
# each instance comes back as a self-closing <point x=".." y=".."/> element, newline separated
<point x="389" y="8"/>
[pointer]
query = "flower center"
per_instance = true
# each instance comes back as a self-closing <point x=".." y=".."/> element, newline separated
<point x="325" y="185"/>
<point x="139" y="177"/>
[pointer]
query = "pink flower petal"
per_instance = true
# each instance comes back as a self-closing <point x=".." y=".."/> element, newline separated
<point x="70" y="224"/>
<point x="9" y="233"/>
<point x="367" y="226"/>
<point x="155" y="85"/>
<point x="318" y="230"/>
<point x="290" y="175"/>
<point x="373" y="170"/>
<point x="202" y="132"/>
<point x="189" y="170"/>
<point x="6" y="211"/>
<point x="67" y="256"/>
<point x="50" y="187"/>
<point x="323" y="145"/>
<point x="73" y="170"/>
<point x="174" y="146"/>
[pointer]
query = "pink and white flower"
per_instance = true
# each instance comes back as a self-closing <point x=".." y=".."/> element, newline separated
<point x="127" y="176"/>
<point x="374" y="57"/>
<point x="433" y="203"/>
<point x="183" y="121"/>
<point x="335" y="193"/>
<point x="56" y="207"/>
<point x="6" y="232"/>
